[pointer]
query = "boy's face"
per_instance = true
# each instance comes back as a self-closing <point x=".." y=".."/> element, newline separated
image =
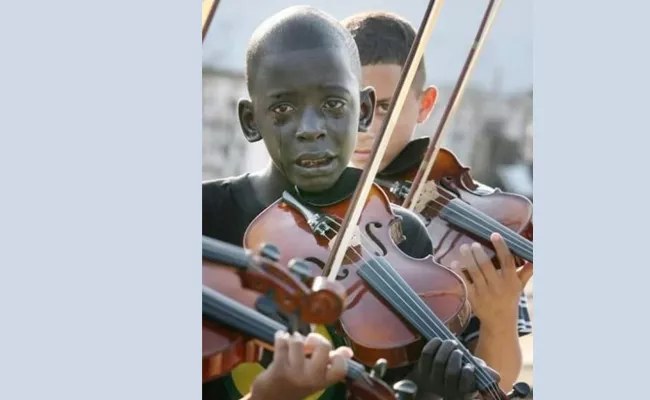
<point x="385" y="78"/>
<point x="306" y="107"/>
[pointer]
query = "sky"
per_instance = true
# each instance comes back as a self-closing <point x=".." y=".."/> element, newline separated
<point x="506" y="57"/>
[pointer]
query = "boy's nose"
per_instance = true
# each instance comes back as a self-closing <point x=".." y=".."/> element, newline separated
<point x="310" y="134"/>
<point x="311" y="127"/>
<point x="365" y="138"/>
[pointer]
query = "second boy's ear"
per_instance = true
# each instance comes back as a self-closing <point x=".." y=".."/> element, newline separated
<point x="247" y="121"/>
<point x="368" y="101"/>
<point x="427" y="102"/>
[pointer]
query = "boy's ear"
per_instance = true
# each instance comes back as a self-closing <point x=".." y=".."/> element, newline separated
<point x="368" y="101"/>
<point x="247" y="121"/>
<point x="427" y="102"/>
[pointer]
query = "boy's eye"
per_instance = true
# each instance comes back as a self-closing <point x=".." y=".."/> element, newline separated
<point x="334" y="104"/>
<point x="383" y="107"/>
<point x="282" y="109"/>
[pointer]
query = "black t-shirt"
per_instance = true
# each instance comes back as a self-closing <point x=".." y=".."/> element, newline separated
<point x="230" y="205"/>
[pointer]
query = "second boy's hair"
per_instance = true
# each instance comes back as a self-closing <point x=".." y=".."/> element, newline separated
<point x="384" y="38"/>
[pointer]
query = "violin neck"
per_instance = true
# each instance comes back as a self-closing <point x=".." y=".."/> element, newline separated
<point x="225" y="253"/>
<point x="464" y="216"/>
<point x="225" y="311"/>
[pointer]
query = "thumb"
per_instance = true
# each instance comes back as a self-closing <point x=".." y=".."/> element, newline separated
<point x="338" y="365"/>
<point x="525" y="273"/>
<point x="492" y="372"/>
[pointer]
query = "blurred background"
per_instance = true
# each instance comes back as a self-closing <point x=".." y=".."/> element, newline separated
<point x="492" y="131"/>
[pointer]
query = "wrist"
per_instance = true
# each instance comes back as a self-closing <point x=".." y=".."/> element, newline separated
<point x="260" y="391"/>
<point x="505" y="325"/>
<point x="261" y="395"/>
<point x="270" y="392"/>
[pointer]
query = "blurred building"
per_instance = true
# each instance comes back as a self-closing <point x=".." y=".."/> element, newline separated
<point x="224" y="147"/>
<point x="491" y="132"/>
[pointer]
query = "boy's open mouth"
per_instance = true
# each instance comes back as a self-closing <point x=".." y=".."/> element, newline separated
<point x="314" y="160"/>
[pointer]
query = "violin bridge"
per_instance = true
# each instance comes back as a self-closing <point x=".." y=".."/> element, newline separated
<point x="428" y="196"/>
<point x="354" y="242"/>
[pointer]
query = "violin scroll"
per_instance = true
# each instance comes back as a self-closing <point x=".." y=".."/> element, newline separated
<point x="321" y="302"/>
<point x="260" y="272"/>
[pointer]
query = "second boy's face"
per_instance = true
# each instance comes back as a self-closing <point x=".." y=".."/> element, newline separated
<point x="385" y="78"/>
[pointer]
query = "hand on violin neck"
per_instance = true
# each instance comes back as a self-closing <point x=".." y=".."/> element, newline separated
<point x="442" y="372"/>
<point x="493" y="294"/>
<point x="291" y="375"/>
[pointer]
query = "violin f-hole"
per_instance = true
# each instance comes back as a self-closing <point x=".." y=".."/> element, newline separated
<point x="379" y="245"/>
<point x="343" y="272"/>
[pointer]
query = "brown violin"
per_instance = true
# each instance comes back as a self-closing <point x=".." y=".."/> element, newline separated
<point x="223" y="350"/>
<point x="457" y="209"/>
<point x="305" y="230"/>
<point x="244" y="276"/>
<point x="234" y="333"/>
<point x="260" y="329"/>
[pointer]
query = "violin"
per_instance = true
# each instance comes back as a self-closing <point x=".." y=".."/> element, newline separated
<point x="372" y="329"/>
<point x="223" y="350"/>
<point x="395" y="303"/>
<point x="225" y="312"/>
<point x="458" y="210"/>
<point x="244" y="276"/>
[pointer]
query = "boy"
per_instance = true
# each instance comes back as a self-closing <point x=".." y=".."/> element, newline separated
<point x="384" y="41"/>
<point x="307" y="104"/>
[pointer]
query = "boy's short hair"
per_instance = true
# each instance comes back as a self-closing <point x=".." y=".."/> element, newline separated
<point x="298" y="28"/>
<point x="384" y="38"/>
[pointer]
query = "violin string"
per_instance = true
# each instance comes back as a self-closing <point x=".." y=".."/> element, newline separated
<point x="443" y="332"/>
<point x="476" y="216"/>
<point x="425" y="314"/>
<point x="496" y="227"/>
<point x="447" y="335"/>
<point x="489" y="223"/>
<point x="513" y="239"/>
<point x="251" y="321"/>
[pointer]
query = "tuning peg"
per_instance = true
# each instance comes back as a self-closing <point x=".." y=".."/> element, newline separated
<point x="270" y="251"/>
<point x="294" y="323"/>
<point x="405" y="390"/>
<point x="520" y="390"/>
<point x="379" y="369"/>
<point x="300" y="268"/>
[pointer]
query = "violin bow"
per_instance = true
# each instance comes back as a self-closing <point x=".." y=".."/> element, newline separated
<point x="347" y="229"/>
<point x="209" y="7"/>
<point x="432" y="150"/>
